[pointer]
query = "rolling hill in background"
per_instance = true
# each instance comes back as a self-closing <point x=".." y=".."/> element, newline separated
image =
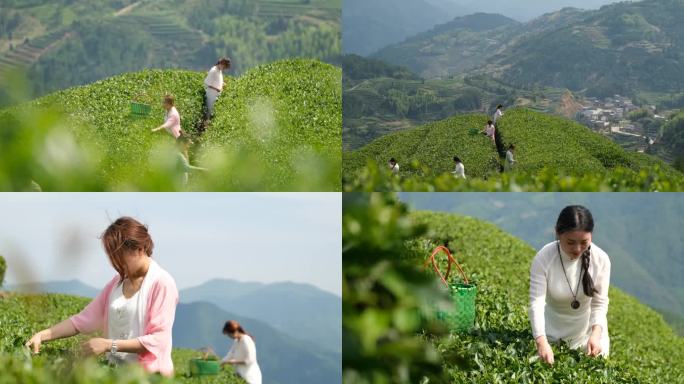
<point x="628" y="48"/>
<point x="288" y="306"/>
<point x="105" y="38"/>
<point x="521" y="10"/>
<point x="297" y="327"/>
<point x="641" y="234"/>
<point x="542" y="141"/>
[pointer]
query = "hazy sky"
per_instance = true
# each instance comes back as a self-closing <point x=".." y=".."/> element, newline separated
<point x="198" y="236"/>
<point x="522" y="10"/>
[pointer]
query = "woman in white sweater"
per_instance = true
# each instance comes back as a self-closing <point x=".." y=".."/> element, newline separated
<point x="242" y="354"/>
<point x="569" y="281"/>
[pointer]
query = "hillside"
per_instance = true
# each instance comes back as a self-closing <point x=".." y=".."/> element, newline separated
<point x="627" y="48"/>
<point x="20" y="315"/>
<point x="545" y="144"/>
<point x="649" y="270"/>
<point x="276" y="127"/>
<point x="500" y="348"/>
<point x="380" y="98"/>
<point x="106" y="38"/>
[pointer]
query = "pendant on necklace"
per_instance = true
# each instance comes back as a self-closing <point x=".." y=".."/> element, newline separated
<point x="575" y="304"/>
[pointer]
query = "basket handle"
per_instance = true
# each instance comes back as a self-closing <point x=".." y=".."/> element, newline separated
<point x="450" y="259"/>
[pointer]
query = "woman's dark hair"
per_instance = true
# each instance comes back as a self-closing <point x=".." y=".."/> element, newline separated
<point x="232" y="326"/>
<point x="126" y="234"/>
<point x="499" y="106"/>
<point x="224" y="61"/>
<point x="393" y="160"/>
<point x="456" y="159"/>
<point x="578" y="218"/>
<point x="512" y="146"/>
<point x="489" y="122"/>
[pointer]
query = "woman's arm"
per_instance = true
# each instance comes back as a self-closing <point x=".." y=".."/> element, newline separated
<point x="97" y="346"/>
<point x="536" y="311"/>
<point x="59" y="331"/>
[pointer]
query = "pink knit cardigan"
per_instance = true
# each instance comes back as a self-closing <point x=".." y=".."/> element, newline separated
<point x="157" y="317"/>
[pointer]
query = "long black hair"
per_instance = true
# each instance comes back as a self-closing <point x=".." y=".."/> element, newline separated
<point x="578" y="218"/>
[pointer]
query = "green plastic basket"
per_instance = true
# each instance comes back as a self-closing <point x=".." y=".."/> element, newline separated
<point x="201" y="367"/>
<point x="461" y="318"/>
<point x="139" y="109"/>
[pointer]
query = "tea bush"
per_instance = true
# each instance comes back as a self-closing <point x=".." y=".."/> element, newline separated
<point x="552" y="154"/>
<point x="22" y="315"/>
<point x="276" y="128"/>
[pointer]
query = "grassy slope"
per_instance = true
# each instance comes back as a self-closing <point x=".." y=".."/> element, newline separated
<point x="21" y="315"/>
<point x="501" y="349"/>
<point x="541" y="141"/>
<point x="305" y="113"/>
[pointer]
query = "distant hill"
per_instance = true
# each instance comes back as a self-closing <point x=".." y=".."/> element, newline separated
<point x="369" y="25"/>
<point x="633" y="48"/>
<point x="282" y="357"/>
<point x="64" y="43"/>
<point x="464" y="43"/>
<point x="284" y="306"/>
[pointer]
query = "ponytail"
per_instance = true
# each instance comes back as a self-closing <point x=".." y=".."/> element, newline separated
<point x="587" y="281"/>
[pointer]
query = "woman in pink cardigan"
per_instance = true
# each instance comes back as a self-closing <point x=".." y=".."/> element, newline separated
<point x="134" y="311"/>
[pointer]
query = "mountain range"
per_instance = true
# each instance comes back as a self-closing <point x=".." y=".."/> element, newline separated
<point x="633" y="48"/>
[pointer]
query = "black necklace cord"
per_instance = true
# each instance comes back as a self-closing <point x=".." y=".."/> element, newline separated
<point x="576" y="291"/>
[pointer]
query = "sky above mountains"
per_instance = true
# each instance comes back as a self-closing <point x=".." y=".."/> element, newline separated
<point x="260" y="237"/>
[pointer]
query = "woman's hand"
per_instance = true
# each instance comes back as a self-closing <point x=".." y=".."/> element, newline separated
<point x="96" y="346"/>
<point x="35" y="341"/>
<point x="544" y="350"/>
<point x="594" y="343"/>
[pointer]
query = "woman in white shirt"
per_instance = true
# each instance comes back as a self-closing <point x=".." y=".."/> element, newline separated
<point x="498" y="114"/>
<point x="394" y="166"/>
<point x="569" y="281"/>
<point x="213" y="84"/>
<point x="172" y="120"/>
<point x="242" y="354"/>
<point x="509" y="158"/>
<point x="459" y="170"/>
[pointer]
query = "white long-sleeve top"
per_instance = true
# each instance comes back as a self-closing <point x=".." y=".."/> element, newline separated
<point x="459" y="171"/>
<point x="550" y="297"/>
<point x="214" y="78"/>
<point x="497" y="115"/>
<point x="244" y="349"/>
